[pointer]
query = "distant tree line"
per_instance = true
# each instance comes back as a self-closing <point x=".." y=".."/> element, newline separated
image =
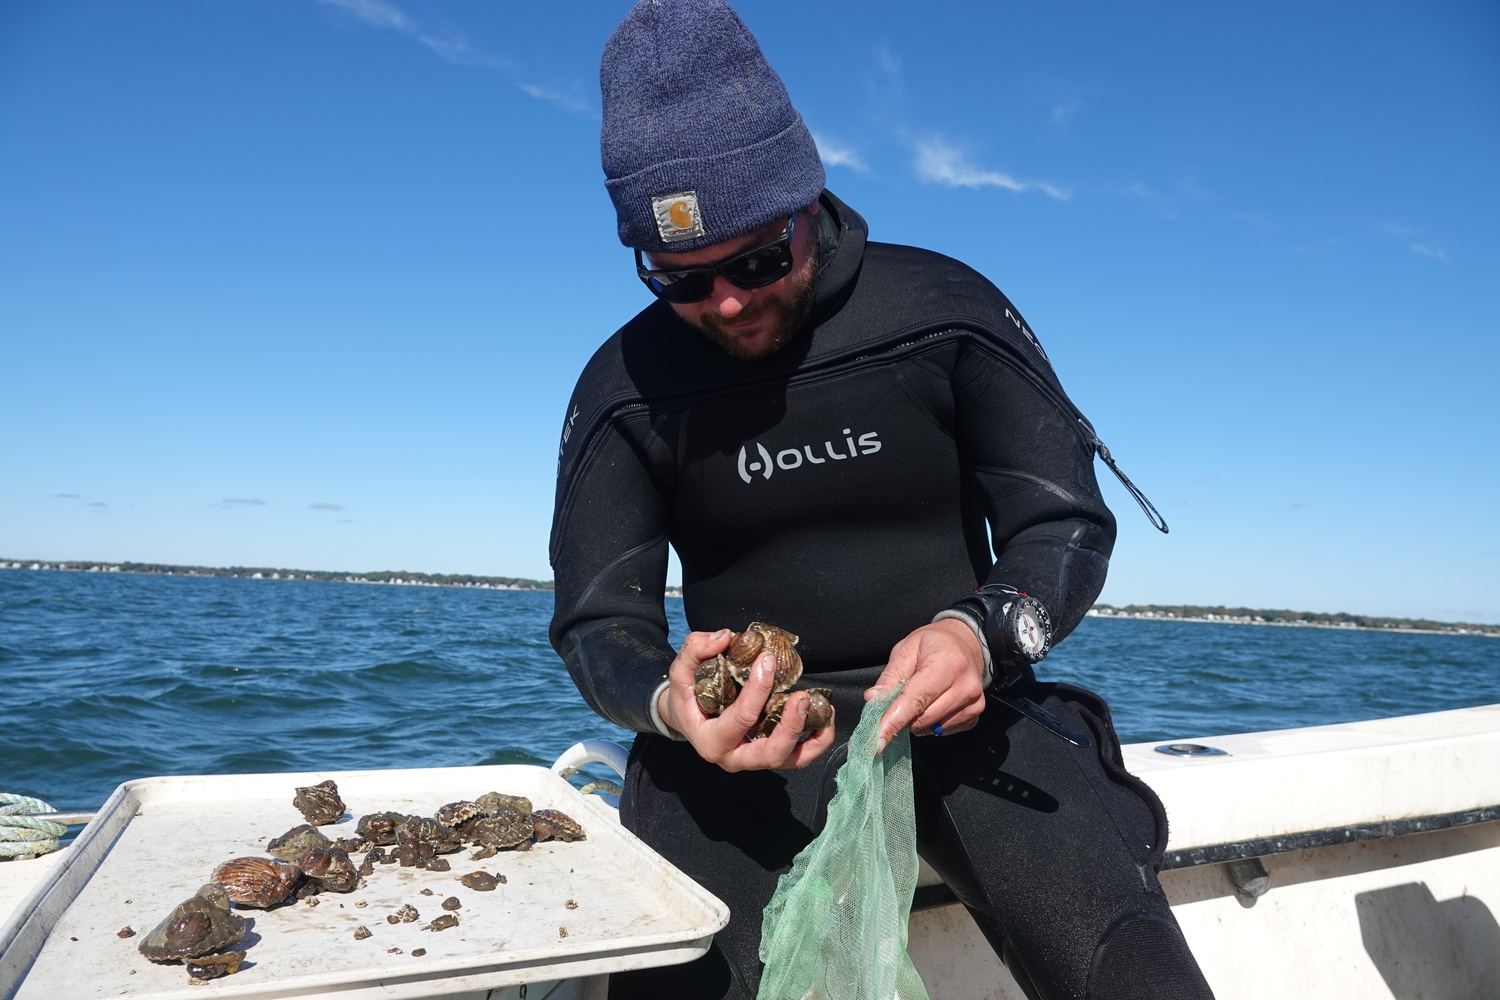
<point x="1284" y="617"/>
<point x="272" y="573"/>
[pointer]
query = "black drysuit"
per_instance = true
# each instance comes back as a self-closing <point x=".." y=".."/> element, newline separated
<point x="911" y="444"/>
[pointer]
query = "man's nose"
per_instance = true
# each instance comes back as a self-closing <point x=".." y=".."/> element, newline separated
<point x="727" y="298"/>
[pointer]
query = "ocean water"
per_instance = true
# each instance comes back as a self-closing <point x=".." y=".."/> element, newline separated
<point x="106" y="677"/>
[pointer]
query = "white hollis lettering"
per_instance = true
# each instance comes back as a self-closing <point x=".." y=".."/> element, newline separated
<point x="794" y="458"/>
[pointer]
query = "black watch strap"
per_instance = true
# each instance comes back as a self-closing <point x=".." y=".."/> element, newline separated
<point x="1017" y="629"/>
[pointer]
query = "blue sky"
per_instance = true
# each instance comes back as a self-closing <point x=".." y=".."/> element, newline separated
<point x="304" y="283"/>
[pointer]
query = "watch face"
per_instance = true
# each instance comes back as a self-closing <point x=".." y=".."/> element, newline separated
<point x="1030" y="632"/>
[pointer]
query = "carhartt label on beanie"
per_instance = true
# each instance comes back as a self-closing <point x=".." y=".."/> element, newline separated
<point x="700" y="142"/>
<point x="677" y="217"/>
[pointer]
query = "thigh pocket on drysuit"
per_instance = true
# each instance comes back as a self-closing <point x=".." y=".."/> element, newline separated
<point x="1132" y="806"/>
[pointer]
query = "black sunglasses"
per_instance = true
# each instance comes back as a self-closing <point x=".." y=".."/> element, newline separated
<point x="755" y="268"/>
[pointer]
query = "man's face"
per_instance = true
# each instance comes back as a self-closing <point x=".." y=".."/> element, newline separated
<point x="752" y="322"/>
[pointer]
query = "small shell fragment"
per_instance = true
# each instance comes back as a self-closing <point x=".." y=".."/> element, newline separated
<point x="215" y="966"/>
<point x="451" y="903"/>
<point x="126" y="932"/>
<point x="571" y="904"/>
<point x="361" y="932"/>
<point x="418" y="952"/>
<point x="482" y="881"/>
<point x="407" y="913"/>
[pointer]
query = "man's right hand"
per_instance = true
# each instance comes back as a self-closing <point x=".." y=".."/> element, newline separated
<point x="721" y="739"/>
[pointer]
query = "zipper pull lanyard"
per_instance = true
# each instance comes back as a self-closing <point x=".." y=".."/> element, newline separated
<point x="1157" y="521"/>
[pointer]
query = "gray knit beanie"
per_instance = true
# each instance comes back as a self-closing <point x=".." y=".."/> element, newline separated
<point x="700" y="142"/>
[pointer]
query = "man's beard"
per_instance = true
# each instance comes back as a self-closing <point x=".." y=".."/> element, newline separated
<point x="786" y="316"/>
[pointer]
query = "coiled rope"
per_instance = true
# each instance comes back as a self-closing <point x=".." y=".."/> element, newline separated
<point x="21" y="834"/>
<point x="602" y="787"/>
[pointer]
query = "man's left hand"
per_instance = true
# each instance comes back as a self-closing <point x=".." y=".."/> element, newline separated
<point x="943" y="667"/>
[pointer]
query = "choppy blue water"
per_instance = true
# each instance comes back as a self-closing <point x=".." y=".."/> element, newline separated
<point x="106" y="677"/>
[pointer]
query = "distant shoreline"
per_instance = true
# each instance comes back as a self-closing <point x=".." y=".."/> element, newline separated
<point x="403" y="578"/>
<point x="1340" y="624"/>
<point x="400" y="578"/>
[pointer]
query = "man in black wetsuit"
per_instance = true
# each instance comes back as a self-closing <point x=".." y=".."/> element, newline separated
<point x="864" y="444"/>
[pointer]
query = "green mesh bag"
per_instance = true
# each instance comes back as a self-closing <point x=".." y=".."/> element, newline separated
<point x="836" y="927"/>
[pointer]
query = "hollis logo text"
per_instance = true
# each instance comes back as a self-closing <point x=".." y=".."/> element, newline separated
<point x="811" y="454"/>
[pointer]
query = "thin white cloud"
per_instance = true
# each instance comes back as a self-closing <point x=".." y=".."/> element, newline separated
<point x="243" y="502"/>
<point x="570" y="103"/>
<point x="387" y="16"/>
<point x="836" y="154"/>
<point x="940" y="162"/>
<point x="1406" y="235"/>
<point x="1144" y="192"/>
<point x="375" y="13"/>
<point x="325" y="506"/>
<point x="1429" y="250"/>
<point x="1063" y="110"/>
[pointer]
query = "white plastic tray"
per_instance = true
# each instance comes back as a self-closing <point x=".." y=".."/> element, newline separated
<point x="157" y="840"/>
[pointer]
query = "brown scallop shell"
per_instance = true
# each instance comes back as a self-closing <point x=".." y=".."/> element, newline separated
<point x="380" y="828"/>
<point x="504" y="830"/>
<point x="714" y="685"/>
<point x="788" y="662"/>
<point x="215" y="966"/>
<point x="819" y="713"/>
<point x="196" y="927"/>
<point x="550" y="824"/>
<point x="329" y="868"/>
<point x="261" y="882"/>
<point x="493" y="803"/>
<point x="819" y="709"/>
<point x="742" y="650"/>
<point x="297" y="841"/>
<point x="482" y="881"/>
<point x="456" y="814"/>
<point x="320" y="804"/>
<point x="427" y="831"/>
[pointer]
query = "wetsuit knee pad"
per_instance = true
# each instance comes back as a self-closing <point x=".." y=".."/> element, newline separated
<point x="1143" y="956"/>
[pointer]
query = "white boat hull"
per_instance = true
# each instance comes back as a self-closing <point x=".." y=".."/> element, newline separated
<point x="1409" y="917"/>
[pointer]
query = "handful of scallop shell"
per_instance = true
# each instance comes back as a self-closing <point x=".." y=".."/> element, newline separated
<point x="717" y="681"/>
